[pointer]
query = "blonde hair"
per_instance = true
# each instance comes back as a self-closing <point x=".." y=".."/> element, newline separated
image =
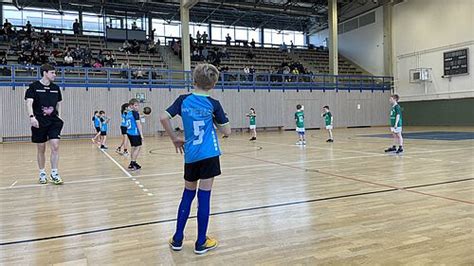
<point x="205" y="76"/>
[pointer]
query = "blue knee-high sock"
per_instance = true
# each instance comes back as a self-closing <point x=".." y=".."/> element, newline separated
<point x="183" y="213"/>
<point x="204" y="202"/>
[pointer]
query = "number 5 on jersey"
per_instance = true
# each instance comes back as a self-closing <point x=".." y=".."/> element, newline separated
<point x="198" y="131"/>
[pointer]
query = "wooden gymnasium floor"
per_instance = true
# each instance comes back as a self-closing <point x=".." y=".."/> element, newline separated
<point x="276" y="203"/>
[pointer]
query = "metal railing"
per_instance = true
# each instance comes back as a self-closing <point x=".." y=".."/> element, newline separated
<point x="80" y="77"/>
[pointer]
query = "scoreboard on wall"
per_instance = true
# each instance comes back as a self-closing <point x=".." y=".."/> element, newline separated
<point x="456" y="62"/>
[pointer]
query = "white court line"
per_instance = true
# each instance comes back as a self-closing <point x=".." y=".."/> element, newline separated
<point x="240" y="167"/>
<point x="134" y="178"/>
<point x="14" y="183"/>
<point x="115" y="162"/>
<point x="373" y="153"/>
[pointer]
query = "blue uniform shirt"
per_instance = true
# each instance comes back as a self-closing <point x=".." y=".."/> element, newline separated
<point x="123" y="123"/>
<point x="199" y="112"/>
<point x="103" y="124"/>
<point x="96" y="121"/>
<point x="131" y="123"/>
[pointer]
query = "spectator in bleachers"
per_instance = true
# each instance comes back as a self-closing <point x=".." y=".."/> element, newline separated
<point x="3" y="35"/>
<point x="55" y="41"/>
<point x="152" y="49"/>
<point x="36" y="59"/>
<point x="25" y="44"/>
<point x="228" y="39"/>
<point x="124" y="73"/>
<point x="86" y="62"/>
<point x="7" y="26"/>
<point x="5" y="71"/>
<point x="252" y="73"/>
<point x="23" y="59"/>
<point x="52" y="59"/>
<point x="195" y="55"/>
<point x="109" y="59"/>
<point x="252" y="43"/>
<point x="139" y="73"/>
<point x="283" y="47"/>
<point x="100" y="56"/>
<point x="28" y="27"/>
<point x="158" y="42"/>
<point x="126" y="46"/>
<point x="134" y="26"/>
<point x="223" y="53"/>
<point x="204" y="38"/>
<point x="135" y="47"/>
<point x="47" y="37"/>
<point x="198" y="37"/>
<point x="292" y="46"/>
<point x="205" y="54"/>
<point x="97" y="64"/>
<point x="68" y="60"/>
<point x="76" y="27"/>
<point x="250" y="54"/>
<point x="246" y="75"/>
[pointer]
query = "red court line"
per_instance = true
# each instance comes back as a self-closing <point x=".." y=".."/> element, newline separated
<point x="357" y="179"/>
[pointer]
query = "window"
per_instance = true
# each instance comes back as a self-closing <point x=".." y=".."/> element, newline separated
<point x="254" y="34"/>
<point x="92" y="24"/>
<point x="172" y="29"/>
<point x="241" y="33"/>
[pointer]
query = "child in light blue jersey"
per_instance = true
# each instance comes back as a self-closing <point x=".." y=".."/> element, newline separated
<point x="200" y="113"/>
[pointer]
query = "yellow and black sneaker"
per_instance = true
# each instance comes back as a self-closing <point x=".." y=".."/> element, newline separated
<point x="55" y="179"/>
<point x="210" y="244"/>
<point x="175" y="245"/>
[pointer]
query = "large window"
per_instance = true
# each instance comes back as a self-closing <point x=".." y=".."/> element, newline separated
<point x="165" y="28"/>
<point x="40" y="17"/>
<point x="94" y="23"/>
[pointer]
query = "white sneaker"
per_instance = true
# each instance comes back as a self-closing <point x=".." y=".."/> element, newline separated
<point x="43" y="179"/>
<point x="299" y="143"/>
<point x="304" y="142"/>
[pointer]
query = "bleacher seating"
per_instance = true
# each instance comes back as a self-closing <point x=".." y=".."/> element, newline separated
<point x="267" y="59"/>
<point x="144" y="59"/>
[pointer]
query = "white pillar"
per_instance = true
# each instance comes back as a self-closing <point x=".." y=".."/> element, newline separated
<point x="185" y="45"/>
<point x="332" y="23"/>
<point x="387" y="39"/>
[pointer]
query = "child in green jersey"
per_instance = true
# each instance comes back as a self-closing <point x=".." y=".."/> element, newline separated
<point x="253" y="125"/>
<point x="328" y="121"/>
<point x="299" y="117"/>
<point x="396" y="121"/>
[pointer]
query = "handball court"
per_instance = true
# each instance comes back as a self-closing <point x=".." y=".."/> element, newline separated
<point x="275" y="203"/>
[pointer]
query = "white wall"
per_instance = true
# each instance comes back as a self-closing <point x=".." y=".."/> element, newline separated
<point x="422" y="32"/>
<point x="363" y="46"/>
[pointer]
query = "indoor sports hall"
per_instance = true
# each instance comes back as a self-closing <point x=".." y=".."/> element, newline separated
<point x="269" y="132"/>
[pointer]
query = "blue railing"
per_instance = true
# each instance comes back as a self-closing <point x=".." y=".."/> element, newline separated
<point x="74" y="77"/>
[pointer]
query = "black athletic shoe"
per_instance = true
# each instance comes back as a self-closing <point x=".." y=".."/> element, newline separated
<point x="400" y="150"/>
<point x="131" y="166"/>
<point x="391" y="149"/>
<point x="253" y="138"/>
<point x="330" y="140"/>
<point x="137" y="166"/>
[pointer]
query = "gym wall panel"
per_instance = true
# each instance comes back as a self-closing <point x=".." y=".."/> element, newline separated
<point x="274" y="108"/>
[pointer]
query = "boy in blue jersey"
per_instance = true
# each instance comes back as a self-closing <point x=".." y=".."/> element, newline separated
<point x="104" y="126"/>
<point x="134" y="132"/>
<point x="96" y="121"/>
<point x="199" y="113"/>
<point x="123" y="130"/>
